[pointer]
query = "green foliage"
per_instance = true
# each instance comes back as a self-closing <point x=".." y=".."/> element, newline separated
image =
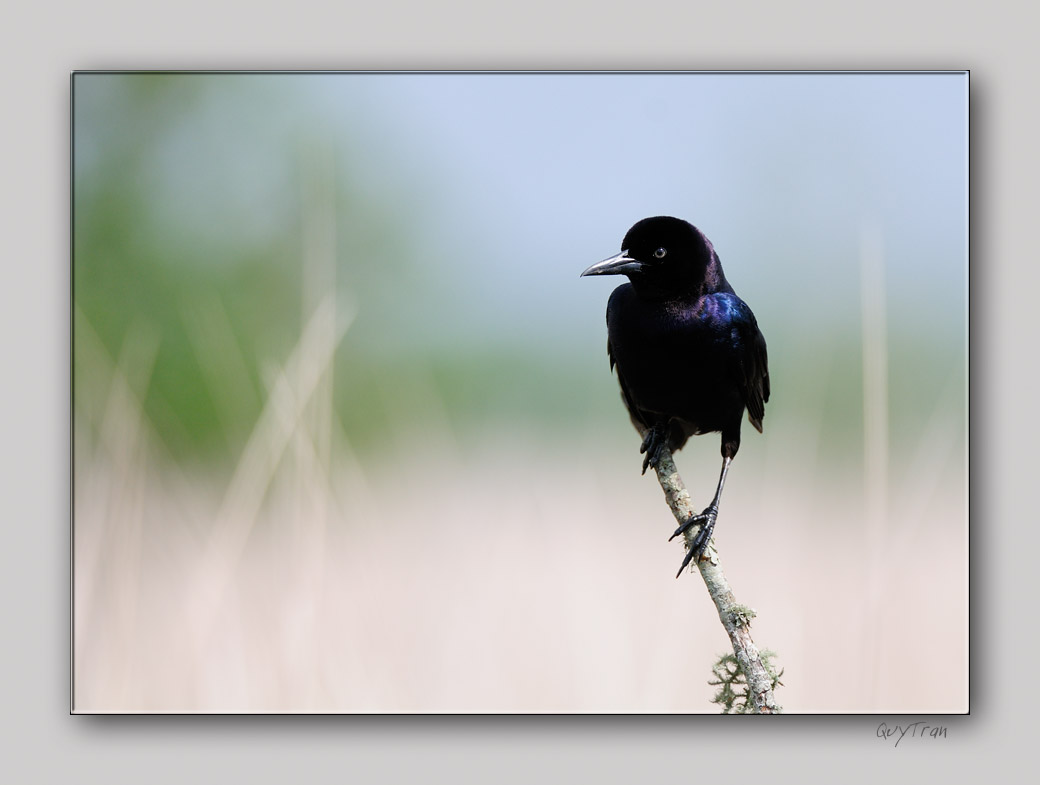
<point x="199" y="199"/>
<point x="189" y="222"/>
<point x="733" y="694"/>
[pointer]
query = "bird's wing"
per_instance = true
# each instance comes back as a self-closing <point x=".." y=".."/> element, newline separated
<point x="753" y="364"/>
<point x="640" y="420"/>
<point x="756" y="381"/>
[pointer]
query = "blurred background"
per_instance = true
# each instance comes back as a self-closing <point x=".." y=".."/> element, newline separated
<point x="345" y="436"/>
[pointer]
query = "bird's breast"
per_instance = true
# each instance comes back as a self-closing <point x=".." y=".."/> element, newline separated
<point x="672" y="358"/>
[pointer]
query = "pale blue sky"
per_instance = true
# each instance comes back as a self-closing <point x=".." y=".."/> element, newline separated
<point x="506" y="186"/>
<point x="532" y="177"/>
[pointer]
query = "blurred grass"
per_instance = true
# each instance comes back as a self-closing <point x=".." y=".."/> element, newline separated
<point x="506" y="577"/>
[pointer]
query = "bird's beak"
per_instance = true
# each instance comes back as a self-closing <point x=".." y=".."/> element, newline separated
<point x="622" y="264"/>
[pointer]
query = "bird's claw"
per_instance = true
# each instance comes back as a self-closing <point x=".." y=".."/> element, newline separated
<point x="701" y="539"/>
<point x="653" y="443"/>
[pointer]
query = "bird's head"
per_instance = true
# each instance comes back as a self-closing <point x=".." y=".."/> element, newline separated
<point x="664" y="257"/>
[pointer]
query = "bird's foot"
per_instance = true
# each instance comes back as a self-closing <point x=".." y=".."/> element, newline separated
<point x="701" y="539"/>
<point x="654" y="441"/>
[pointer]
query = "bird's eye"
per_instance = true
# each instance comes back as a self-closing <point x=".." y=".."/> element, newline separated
<point x="660" y="253"/>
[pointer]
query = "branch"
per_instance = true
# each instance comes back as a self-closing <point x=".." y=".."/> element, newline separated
<point x="735" y="618"/>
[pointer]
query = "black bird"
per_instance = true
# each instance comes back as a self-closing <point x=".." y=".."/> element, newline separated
<point x="689" y="355"/>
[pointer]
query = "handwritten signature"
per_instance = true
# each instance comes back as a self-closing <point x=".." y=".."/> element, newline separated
<point x="916" y="729"/>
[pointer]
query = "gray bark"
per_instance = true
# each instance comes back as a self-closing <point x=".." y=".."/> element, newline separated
<point x="735" y="618"/>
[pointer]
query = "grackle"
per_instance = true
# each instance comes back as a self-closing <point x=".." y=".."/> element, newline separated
<point x="688" y="352"/>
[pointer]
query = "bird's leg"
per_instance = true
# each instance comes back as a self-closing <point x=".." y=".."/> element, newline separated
<point x="706" y="519"/>
<point x="655" y="439"/>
